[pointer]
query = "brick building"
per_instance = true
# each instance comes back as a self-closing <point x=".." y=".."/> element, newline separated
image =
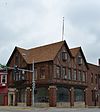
<point x="3" y="88"/>
<point x="62" y="77"/>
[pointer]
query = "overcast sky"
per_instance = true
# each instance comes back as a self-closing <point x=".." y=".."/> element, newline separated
<point x="31" y="23"/>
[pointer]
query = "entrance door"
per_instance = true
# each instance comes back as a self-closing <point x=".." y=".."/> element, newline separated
<point x="11" y="99"/>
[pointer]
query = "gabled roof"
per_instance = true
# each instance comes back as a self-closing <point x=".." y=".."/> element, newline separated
<point x="75" y="52"/>
<point x="42" y="53"/>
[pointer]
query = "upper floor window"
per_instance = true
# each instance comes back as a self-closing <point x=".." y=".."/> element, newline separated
<point x="64" y="56"/>
<point x="35" y="74"/>
<point x="80" y="60"/>
<point x="3" y="79"/>
<point x="74" y="75"/>
<point x="84" y="76"/>
<point x="42" y="73"/>
<point x="69" y="74"/>
<point x="79" y="75"/>
<point x="58" y="71"/>
<point x="64" y="76"/>
<point x="91" y="77"/>
<point x="96" y="78"/>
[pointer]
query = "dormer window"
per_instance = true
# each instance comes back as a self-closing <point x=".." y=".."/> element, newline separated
<point x="80" y="61"/>
<point x="64" y="56"/>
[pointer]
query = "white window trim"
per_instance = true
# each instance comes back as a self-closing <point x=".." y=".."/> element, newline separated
<point x="5" y="79"/>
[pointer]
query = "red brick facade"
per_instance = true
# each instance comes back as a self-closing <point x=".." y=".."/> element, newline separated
<point x="62" y="77"/>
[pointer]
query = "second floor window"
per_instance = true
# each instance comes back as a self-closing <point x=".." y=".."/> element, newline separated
<point x="58" y="71"/>
<point x="35" y="74"/>
<point x="64" y="73"/>
<point x="74" y="75"/>
<point x="42" y="73"/>
<point x="79" y="75"/>
<point x="91" y="77"/>
<point x="84" y="76"/>
<point x="3" y="79"/>
<point x="69" y="74"/>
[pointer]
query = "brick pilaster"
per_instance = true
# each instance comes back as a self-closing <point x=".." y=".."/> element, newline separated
<point x="52" y="96"/>
<point x="72" y="97"/>
<point x="28" y="97"/>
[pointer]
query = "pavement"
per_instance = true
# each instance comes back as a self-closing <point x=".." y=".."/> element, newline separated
<point x="50" y="109"/>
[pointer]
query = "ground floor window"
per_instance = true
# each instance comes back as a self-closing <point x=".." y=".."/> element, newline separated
<point x="79" y="95"/>
<point x="41" y="94"/>
<point x="21" y="96"/>
<point x="63" y="94"/>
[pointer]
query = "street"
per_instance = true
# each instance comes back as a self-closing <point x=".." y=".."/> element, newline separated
<point x="28" y="109"/>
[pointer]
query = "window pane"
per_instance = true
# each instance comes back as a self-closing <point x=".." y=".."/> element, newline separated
<point x="58" y="72"/>
<point x="83" y="76"/>
<point x="74" y="75"/>
<point x="69" y="74"/>
<point x="62" y="94"/>
<point x="64" y="73"/>
<point x="42" y="73"/>
<point x="41" y="95"/>
<point x="79" y="95"/>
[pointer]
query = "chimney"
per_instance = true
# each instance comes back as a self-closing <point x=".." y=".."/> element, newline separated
<point x="99" y="61"/>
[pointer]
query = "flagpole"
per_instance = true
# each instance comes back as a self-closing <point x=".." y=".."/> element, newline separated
<point x="63" y="29"/>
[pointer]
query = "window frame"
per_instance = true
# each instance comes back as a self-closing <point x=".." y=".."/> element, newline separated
<point x="3" y="79"/>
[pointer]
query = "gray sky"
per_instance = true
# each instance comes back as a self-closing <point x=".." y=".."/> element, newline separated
<point x="31" y="23"/>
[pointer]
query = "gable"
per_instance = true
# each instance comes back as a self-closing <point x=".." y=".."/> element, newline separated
<point x="79" y="57"/>
<point x="16" y="58"/>
<point x="63" y="55"/>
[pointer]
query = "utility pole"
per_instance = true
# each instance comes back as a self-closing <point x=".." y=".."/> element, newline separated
<point x="33" y="85"/>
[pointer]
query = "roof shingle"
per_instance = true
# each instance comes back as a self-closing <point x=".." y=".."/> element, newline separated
<point x="42" y="53"/>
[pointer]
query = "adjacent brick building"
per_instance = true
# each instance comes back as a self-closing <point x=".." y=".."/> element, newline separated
<point x="3" y="88"/>
<point x="62" y="77"/>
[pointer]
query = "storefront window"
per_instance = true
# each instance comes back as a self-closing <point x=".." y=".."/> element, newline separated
<point x="62" y="94"/>
<point x="41" y="95"/>
<point x="79" y="95"/>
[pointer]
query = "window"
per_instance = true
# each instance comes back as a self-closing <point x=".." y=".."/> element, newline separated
<point x="96" y="78"/>
<point x="80" y="60"/>
<point x="41" y="95"/>
<point x="83" y="76"/>
<point x="79" y="75"/>
<point x="58" y="71"/>
<point x="79" y="95"/>
<point x="35" y="74"/>
<point x="3" y="79"/>
<point x="64" y="76"/>
<point x="74" y="75"/>
<point x="91" y="77"/>
<point x="69" y="74"/>
<point x="63" y="94"/>
<point x="64" y="56"/>
<point x="42" y="73"/>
